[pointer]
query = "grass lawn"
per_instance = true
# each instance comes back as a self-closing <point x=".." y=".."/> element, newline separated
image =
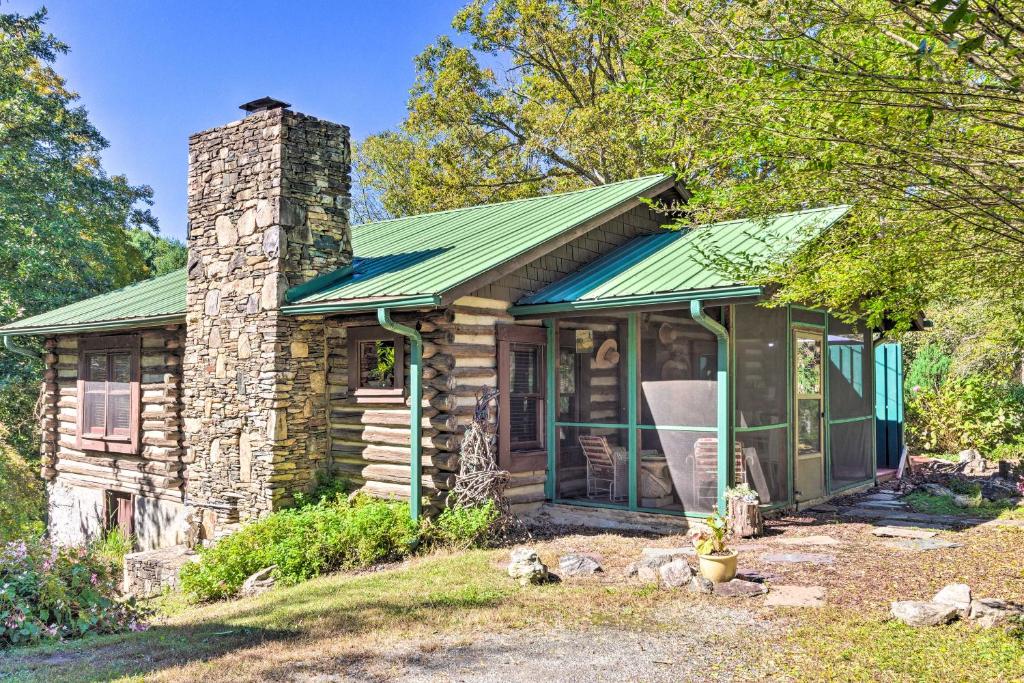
<point x="919" y="501"/>
<point x="459" y="617"/>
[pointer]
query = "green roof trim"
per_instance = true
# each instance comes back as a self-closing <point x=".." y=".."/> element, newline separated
<point x="157" y="301"/>
<point x="668" y="267"/>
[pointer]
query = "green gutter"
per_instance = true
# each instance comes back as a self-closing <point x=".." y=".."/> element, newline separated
<point x="716" y="328"/>
<point x="415" y="410"/>
<point x="637" y="300"/>
<point x="71" y="328"/>
<point x="419" y="301"/>
<point x="20" y="350"/>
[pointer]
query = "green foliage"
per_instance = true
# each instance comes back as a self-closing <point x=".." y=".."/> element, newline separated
<point x="112" y="546"/>
<point x="303" y="543"/>
<point x="24" y="500"/>
<point x="919" y="501"/>
<point x="928" y="369"/>
<point x="50" y="592"/>
<point x="464" y="526"/>
<point x="973" y="412"/>
<point x="161" y="255"/>
<point x="712" y="536"/>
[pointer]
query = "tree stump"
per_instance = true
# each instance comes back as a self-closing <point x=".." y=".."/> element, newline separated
<point x="745" y="518"/>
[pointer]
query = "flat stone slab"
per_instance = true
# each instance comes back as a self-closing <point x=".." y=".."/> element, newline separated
<point x="755" y="575"/>
<point x="798" y="558"/>
<point x="902" y="532"/>
<point x="810" y="540"/>
<point x="921" y="544"/>
<point x="892" y="521"/>
<point x="738" y="588"/>
<point x="883" y="505"/>
<point x="888" y="514"/>
<point x="882" y="495"/>
<point x="796" y="596"/>
<point x="824" y="507"/>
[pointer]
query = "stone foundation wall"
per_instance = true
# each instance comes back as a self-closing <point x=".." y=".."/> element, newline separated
<point x="147" y="574"/>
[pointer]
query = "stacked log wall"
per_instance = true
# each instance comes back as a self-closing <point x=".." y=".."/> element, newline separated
<point x="155" y="475"/>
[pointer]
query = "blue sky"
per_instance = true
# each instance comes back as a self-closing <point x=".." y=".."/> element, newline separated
<point x="152" y="72"/>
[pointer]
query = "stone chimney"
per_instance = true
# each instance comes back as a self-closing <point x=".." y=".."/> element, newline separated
<point x="268" y="200"/>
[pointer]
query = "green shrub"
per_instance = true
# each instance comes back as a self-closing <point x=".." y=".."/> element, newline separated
<point x="465" y="526"/>
<point x="21" y="513"/>
<point x="51" y="592"/>
<point x="303" y="542"/>
<point x="972" y="412"/>
<point x="113" y="546"/>
<point x="928" y="368"/>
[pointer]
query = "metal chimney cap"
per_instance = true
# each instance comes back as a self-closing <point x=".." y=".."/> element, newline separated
<point x="264" y="104"/>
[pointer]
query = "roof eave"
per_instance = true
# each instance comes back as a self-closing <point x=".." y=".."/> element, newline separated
<point x="98" y="326"/>
<point x="637" y="300"/>
<point x="359" y="305"/>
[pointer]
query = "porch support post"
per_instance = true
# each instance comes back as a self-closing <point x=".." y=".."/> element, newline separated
<point x="722" y="379"/>
<point x="633" y="381"/>
<point x="551" y="404"/>
<point x="416" y="407"/>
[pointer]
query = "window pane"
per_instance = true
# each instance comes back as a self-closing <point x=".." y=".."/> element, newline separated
<point x="592" y="370"/>
<point x="848" y="372"/>
<point x="377" y="364"/>
<point x="808" y="432"/>
<point x="523" y="370"/>
<point x="762" y="463"/>
<point x="524" y="420"/>
<point x="762" y="366"/>
<point x="678" y="371"/>
<point x="808" y="365"/>
<point x="120" y="367"/>
<point x="593" y="464"/>
<point x="96" y="367"/>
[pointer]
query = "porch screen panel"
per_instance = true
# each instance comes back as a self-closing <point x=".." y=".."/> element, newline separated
<point x="762" y="401"/>
<point x="678" y="441"/>
<point x="850" y="404"/>
<point x="592" y="410"/>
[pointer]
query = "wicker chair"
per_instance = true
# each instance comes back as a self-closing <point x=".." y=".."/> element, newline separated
<point x="607" y="467"/>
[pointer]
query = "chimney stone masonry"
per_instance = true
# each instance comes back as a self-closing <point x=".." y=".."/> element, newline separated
<point x="268" y="200"/>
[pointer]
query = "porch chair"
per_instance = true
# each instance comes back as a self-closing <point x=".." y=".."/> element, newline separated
<point x="606" y="467"/>
<point x="705" y="470"/>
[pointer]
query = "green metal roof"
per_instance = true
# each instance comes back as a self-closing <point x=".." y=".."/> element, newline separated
<point x="669" y="266"/>
<point x="150" y="302"/>
<point x="402" y="262"/>
<point x="412" y="261"/>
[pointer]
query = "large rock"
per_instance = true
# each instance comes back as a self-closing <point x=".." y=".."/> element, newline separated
<point x="956" y="595"/>
<point x="652" y="559"/>
<point x="260" y="582"/>
<point x="989" y="612"/>
<point x="698" y="584"/>
<point x="526" y="567"/>
<point x="738" y="588"/>
<point x="917" y="613"/>
<point x="579" y="564"/>
<point x="675" y="574"/>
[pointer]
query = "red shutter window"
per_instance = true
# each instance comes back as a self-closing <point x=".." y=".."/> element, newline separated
<point x="109" y="394"/>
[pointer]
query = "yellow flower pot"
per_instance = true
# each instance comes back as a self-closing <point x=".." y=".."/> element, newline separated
<point x="718" y="568"/>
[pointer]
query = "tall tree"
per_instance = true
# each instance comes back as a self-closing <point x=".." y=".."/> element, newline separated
<point x="66" y="227"/>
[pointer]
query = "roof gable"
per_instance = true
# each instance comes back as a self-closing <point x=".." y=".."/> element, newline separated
<point x="671" y="262"/>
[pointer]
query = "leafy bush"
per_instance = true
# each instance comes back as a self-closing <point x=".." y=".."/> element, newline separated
<point x="928" y="368"/>
<point x="303" y="543"/>
<point x="465" y="526"/>
<point x="971" y="412"/>
<point x="21" y="514"/>
<point x="51" y="592"/>
<point x="113" y="546"/>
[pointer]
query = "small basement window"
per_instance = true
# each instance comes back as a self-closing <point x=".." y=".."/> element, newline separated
<point x="376" y="365"/>
<point x="120" y="512"/>
<point x="109" y="403"/>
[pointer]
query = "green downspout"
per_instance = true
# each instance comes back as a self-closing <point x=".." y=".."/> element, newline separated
<point x="416" y="407"/>
<point x="20" y="350"/>
<point x="716" y="328"/>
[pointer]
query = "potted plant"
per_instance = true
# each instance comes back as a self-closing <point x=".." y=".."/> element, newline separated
<point x="717" y="560"/>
